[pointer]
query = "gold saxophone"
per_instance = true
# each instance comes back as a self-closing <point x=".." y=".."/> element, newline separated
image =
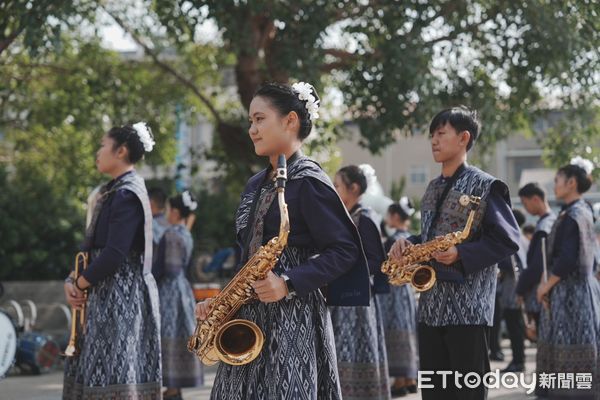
<point x="77" y="315"/>
<point x="239" y="341"/>
<point x="411" y="269"/>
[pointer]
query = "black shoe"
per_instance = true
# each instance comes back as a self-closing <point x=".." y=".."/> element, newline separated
<point x="512" y="367"/>
<point x="497" y="356"/>
<point x="399" y="392"/>
<point x="412" y="389"/>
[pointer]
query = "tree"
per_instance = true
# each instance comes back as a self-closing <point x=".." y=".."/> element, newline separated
<point x="53" y="110"/>
<point x="397" y="62"/>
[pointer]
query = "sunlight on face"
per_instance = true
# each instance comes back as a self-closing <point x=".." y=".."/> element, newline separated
<point x="268" y="129"/>
<point x="343" y="190"/>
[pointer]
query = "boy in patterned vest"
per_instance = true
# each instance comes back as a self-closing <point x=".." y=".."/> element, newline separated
<point x="454" y="317"/>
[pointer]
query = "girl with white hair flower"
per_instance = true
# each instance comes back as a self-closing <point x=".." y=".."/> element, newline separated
<point x="118" y="348"/>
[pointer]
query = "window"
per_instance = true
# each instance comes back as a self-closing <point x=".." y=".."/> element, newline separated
<point x="418" y="174"/>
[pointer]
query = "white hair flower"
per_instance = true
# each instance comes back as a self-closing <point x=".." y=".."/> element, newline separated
<point x="583" y="163"/>
<point x="145" y="136"/>
<point x="406" y="206"/>
<point x="305" y="93"/>
<point x="188" y="202"/>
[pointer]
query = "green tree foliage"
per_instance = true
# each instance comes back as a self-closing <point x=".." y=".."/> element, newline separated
<point x="53" y="111"/>
<point x="398" y="62"/>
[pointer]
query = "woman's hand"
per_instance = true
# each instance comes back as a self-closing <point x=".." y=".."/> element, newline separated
<point x="270" y="289"/>
<point x="447" y="257"/>
<point x="74" y="296"/>
<point x="202" y="309"/>
<point x="542" y="294"/>
<point x="397" y="249"/>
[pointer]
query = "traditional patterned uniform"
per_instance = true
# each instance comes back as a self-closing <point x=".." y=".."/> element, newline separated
<point x="120" y="344"/>
<point x="298" y="359"/>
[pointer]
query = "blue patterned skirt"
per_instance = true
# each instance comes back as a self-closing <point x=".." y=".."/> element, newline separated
<point x="298" y="357"/>
<point x="570" y="335"/>
<point x="399" y="313"/>
<point x="180" y="367"/>
<point x="361" y="353"/>
<point x="120" y="357"/>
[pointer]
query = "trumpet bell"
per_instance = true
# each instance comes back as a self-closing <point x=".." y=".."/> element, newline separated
<point x="238" y="342"/>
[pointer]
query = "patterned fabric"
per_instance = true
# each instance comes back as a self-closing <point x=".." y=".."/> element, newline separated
<point x="298" y="359"/>
<point x="469" y="301"/>
<point x="571" y="331"/>
<point x="361" y="354"/>
<point x="399" y="314"/>
<point x="119" y="357"/>
<point x="180" y="367"/>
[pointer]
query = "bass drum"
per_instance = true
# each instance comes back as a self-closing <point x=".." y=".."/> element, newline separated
<point x="8" y="343"/>
<point x="37" y="352"/>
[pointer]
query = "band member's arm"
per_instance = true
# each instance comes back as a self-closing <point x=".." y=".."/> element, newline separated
<point x="564" y="260"/>
<point x="126" y="217"/>
<point x="530" y="276"/>
<point x="330" y="228"/>
<point x="158" y="262"/>
<point x="499" y="239"/>
<point x="369" y="235"/>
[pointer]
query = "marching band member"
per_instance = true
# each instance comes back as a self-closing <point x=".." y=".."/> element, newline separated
<point x="358" y="331"/>
<point x="180" y="367"/>
<point x="298" y="359"/>
<point x="455" y="315"/>
<point x="399" y="312"/>
<point x="119" y="356"/>
<point x="572" y="305"/>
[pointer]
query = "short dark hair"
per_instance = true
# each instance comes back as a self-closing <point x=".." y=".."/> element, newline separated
<point x="353" y="174"/>
<point x="460" y="118"/>
<point x="584" y="181"/>
<point x="519" y="216"/>
<point x="127" y="136"/>
<point x="532" y="189"/>
<point x="396" y="208"/>
<point x="528" y="229"/>
<point x="286" y="100"/>
<point x="158" y="196"/>
<point x="177" y="203"/>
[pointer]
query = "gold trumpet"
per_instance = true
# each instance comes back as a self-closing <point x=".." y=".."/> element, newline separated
<point x="239" y="341"/>
<point x="411" y="269"/>
<point x="77" y="316"/>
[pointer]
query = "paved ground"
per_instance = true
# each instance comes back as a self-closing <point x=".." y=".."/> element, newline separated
<point x="49" y="386"/>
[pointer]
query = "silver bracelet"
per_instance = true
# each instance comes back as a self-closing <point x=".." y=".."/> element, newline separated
<point x="70" y="280"/>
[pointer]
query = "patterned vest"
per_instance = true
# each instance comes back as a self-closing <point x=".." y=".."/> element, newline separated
<point x="135" y="184"/>
<point x="350" y="289"/>
<point x="456" y="298"/>
<point x="582" y="214"/>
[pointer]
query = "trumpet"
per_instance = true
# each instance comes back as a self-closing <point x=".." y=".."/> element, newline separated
<point x="411" y="268"/>
<point x="77" y="316"/>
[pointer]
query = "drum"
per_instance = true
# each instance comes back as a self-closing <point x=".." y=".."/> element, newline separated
<point x="205" y="290"/>
<point x="37" y="352"/>
<point x="8" y="343"/>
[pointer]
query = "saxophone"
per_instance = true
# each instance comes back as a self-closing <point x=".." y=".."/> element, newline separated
<point x="411" y="269"/>
<point x="239" y="341"/>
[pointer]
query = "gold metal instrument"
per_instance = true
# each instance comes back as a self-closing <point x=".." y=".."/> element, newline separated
<point x="77" y="315"/>
<point x="239" y="341"/>
<point x="411" y="267"/>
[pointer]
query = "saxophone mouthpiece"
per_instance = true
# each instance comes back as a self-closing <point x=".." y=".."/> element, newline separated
<point x="281" y="176"/>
